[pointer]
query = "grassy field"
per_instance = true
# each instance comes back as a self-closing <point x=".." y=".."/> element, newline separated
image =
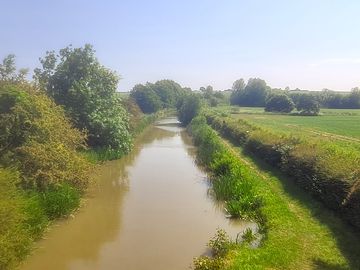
<point x="337" y="125"/>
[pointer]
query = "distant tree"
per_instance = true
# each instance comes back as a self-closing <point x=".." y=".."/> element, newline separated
<point x="146" y="98"/>
<point x="238" y="85"/>
<point x="168" y="91"/>
<point x="207" y="91"/>
<point x="87" y="90"/>
<point x="253" y="94"/>
<point x="279" y="103"/>
<point x="8" y="70"/>
<point x="308" y="105"/>
<point x="256" y="92"/>
<point x="219" y="95"/>
<point x="189" y="109"/>
<point x="354" y="99"/>
<point x="237" y="92"/>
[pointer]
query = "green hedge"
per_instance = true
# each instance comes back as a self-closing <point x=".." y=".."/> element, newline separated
<point x="328" y="172"/>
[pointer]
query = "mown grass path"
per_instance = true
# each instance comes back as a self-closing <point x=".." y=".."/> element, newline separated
<point x="304" y="234"/>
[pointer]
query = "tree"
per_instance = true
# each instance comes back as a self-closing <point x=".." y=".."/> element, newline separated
<point x="237" y="92"/>
<point x="168" y="91"/>
<point x="8" y="70"/>
<point x="189" y="109"/>
<point x="87" y="90"/>
<point x="238" y="85"/>
<point x="146" y="98"/>
<point x="255" y="93"/>
<point x="308" y="105"/>
<point x="354" y="99"/>
<point x="279" y="103"/>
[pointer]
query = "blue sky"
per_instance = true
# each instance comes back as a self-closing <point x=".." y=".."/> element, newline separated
<point x="307" y="44"/>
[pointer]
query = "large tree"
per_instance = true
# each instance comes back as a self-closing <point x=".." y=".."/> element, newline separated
<point x="308" y="105"/>
<point x="279" y="103"/>
<point x="253" y="94"/>
<point x="87" y="90"/>
<point x="146" y="98"/>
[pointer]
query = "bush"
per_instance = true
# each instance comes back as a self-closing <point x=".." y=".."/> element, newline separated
<point x="279" y="103"/>
<point x="38" y="137"/>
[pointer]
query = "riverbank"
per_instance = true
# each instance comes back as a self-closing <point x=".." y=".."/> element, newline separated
<point x="300" y="233"/>
<point x="27" y="214"/>
<point x="146" y="208"/>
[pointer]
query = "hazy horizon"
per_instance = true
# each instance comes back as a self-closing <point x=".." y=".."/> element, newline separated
<point x="308" y="45"/>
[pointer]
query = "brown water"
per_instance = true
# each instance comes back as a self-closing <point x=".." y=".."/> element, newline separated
<point x="149" y="210"/>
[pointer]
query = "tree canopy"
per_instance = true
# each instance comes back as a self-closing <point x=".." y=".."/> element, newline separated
<point x="76" y="80"/>
<point x="254" y="94"/>
<point x="279" y="103"/>
<point x="308" y="105"/>
<point x="162" y="94"/>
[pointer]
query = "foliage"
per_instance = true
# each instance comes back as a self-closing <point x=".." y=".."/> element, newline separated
<point x="153" y="97"/>
<point x="60" y="201"/>
<point x="38" y="137"/>
<point x="307" y="105"/>
<point x="87" y="90"/>
<point x="14" y="238"/>
<point x="146" y="98"/>
<point x="327" y="171"/>
<point x="293" y="235"/>
<point x="248" y="236"/>
<point x="220" y="243"/>
<point x="279" y="103"/>
<point x="189" y="109"/>
<point x="253" y="94"/>
<point x="8" y="71"/>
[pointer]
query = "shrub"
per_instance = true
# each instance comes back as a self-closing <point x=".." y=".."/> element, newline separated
<point x="38" y="137"/>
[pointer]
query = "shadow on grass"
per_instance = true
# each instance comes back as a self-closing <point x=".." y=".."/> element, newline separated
<point x="347" y="238"/>
<point x="321" y="265"/>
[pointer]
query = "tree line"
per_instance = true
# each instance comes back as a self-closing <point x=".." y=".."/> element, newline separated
<point x="256" y="93"/>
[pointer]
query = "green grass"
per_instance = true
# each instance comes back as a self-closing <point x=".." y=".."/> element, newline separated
<point x="340" y="126"/>
<point x="334" y="121"/>
<point x="300" y="232"/>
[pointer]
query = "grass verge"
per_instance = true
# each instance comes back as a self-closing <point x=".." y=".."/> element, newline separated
<point x="298" y="232"/>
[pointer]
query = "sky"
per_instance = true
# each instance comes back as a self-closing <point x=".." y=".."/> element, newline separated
<point x="307" y="44"/>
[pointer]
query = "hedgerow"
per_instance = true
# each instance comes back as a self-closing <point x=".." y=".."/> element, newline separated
<point x="291" y="238"/>
<point x="329" y="173"/>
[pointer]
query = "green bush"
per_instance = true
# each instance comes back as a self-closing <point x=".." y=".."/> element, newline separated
<point x="38" y="138"/>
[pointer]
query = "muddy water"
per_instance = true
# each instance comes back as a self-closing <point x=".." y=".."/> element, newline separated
<point x="149" y="210"/>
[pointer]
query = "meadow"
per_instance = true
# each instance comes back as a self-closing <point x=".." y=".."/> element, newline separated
<point x="340" y="126"/>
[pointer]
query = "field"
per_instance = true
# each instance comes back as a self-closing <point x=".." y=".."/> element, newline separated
<point x="337" y="125"/>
